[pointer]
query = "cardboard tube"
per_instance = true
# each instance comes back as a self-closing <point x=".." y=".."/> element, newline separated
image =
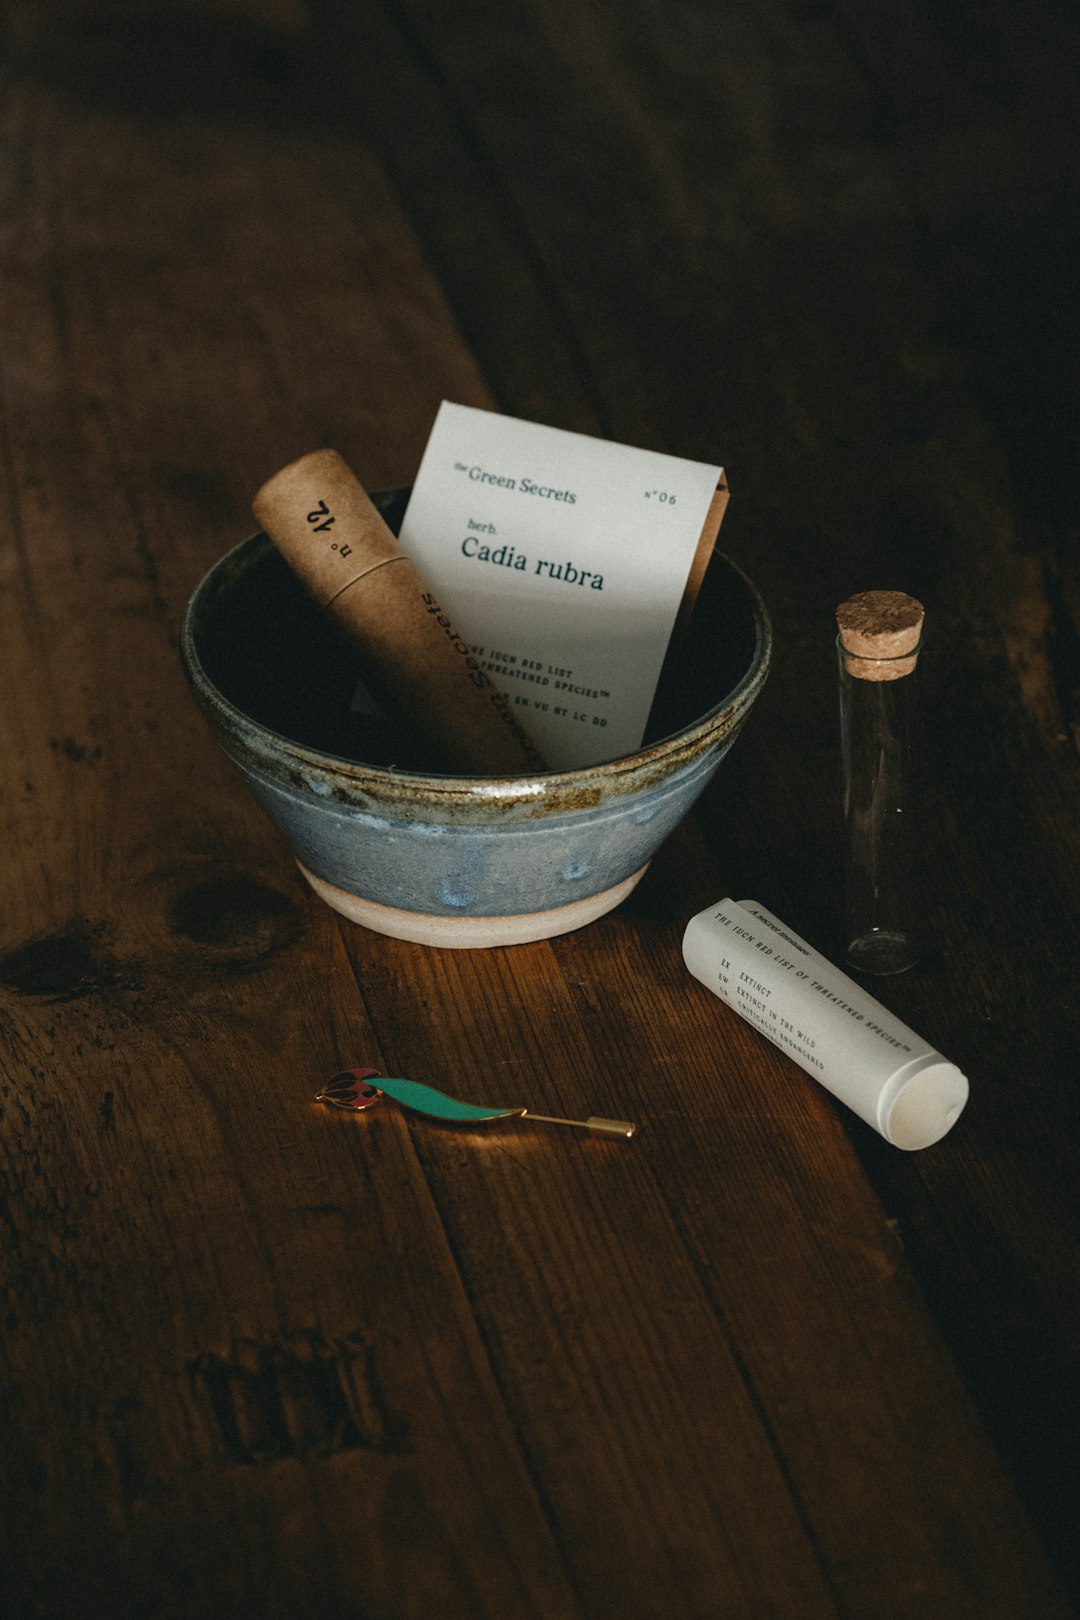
<point x="338" y="545"/>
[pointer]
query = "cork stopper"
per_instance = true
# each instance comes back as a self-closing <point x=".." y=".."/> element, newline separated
<point x="880" y="633"/>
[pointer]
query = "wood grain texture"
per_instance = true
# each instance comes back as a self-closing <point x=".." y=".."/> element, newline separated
<point x="259" y="1358"/>
<point x="856" y="222"/>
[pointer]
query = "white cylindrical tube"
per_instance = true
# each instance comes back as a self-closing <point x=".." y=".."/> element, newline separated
<point x="848" y="1042"/>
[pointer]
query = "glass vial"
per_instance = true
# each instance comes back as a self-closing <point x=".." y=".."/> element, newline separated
<point x="878" y="650"/>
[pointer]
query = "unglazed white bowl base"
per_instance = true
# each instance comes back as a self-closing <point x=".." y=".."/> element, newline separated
<point x="471" y="933"/>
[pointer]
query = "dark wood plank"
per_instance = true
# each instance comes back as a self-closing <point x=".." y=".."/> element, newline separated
<point x="724" y="1270"/>
<point x="240" y="1370"/>
<point x="263" y="1359"/>
<point x="840" y="241"/>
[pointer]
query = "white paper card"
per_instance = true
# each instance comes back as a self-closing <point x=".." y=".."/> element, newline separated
<point x="563" y="559"/>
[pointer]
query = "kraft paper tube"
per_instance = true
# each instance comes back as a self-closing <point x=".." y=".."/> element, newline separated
<point x="334" y="539"/>
<point x="833" y="1029"/>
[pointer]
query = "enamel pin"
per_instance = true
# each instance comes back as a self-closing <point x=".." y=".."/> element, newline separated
<point x="358" y="1089"/>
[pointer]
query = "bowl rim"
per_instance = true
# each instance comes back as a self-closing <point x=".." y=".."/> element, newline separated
<point x="644" y="763"/>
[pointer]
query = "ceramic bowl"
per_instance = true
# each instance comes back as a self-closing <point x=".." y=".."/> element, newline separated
<point x="452" y="860"/>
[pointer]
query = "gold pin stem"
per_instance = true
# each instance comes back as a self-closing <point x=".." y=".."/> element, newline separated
<point x="595" y="1123"/>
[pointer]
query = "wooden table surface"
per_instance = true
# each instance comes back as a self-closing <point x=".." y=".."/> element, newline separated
<point x="259" y="1358"/>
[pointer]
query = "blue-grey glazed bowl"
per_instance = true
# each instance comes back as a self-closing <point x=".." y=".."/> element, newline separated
<point x="452" y="860"/>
